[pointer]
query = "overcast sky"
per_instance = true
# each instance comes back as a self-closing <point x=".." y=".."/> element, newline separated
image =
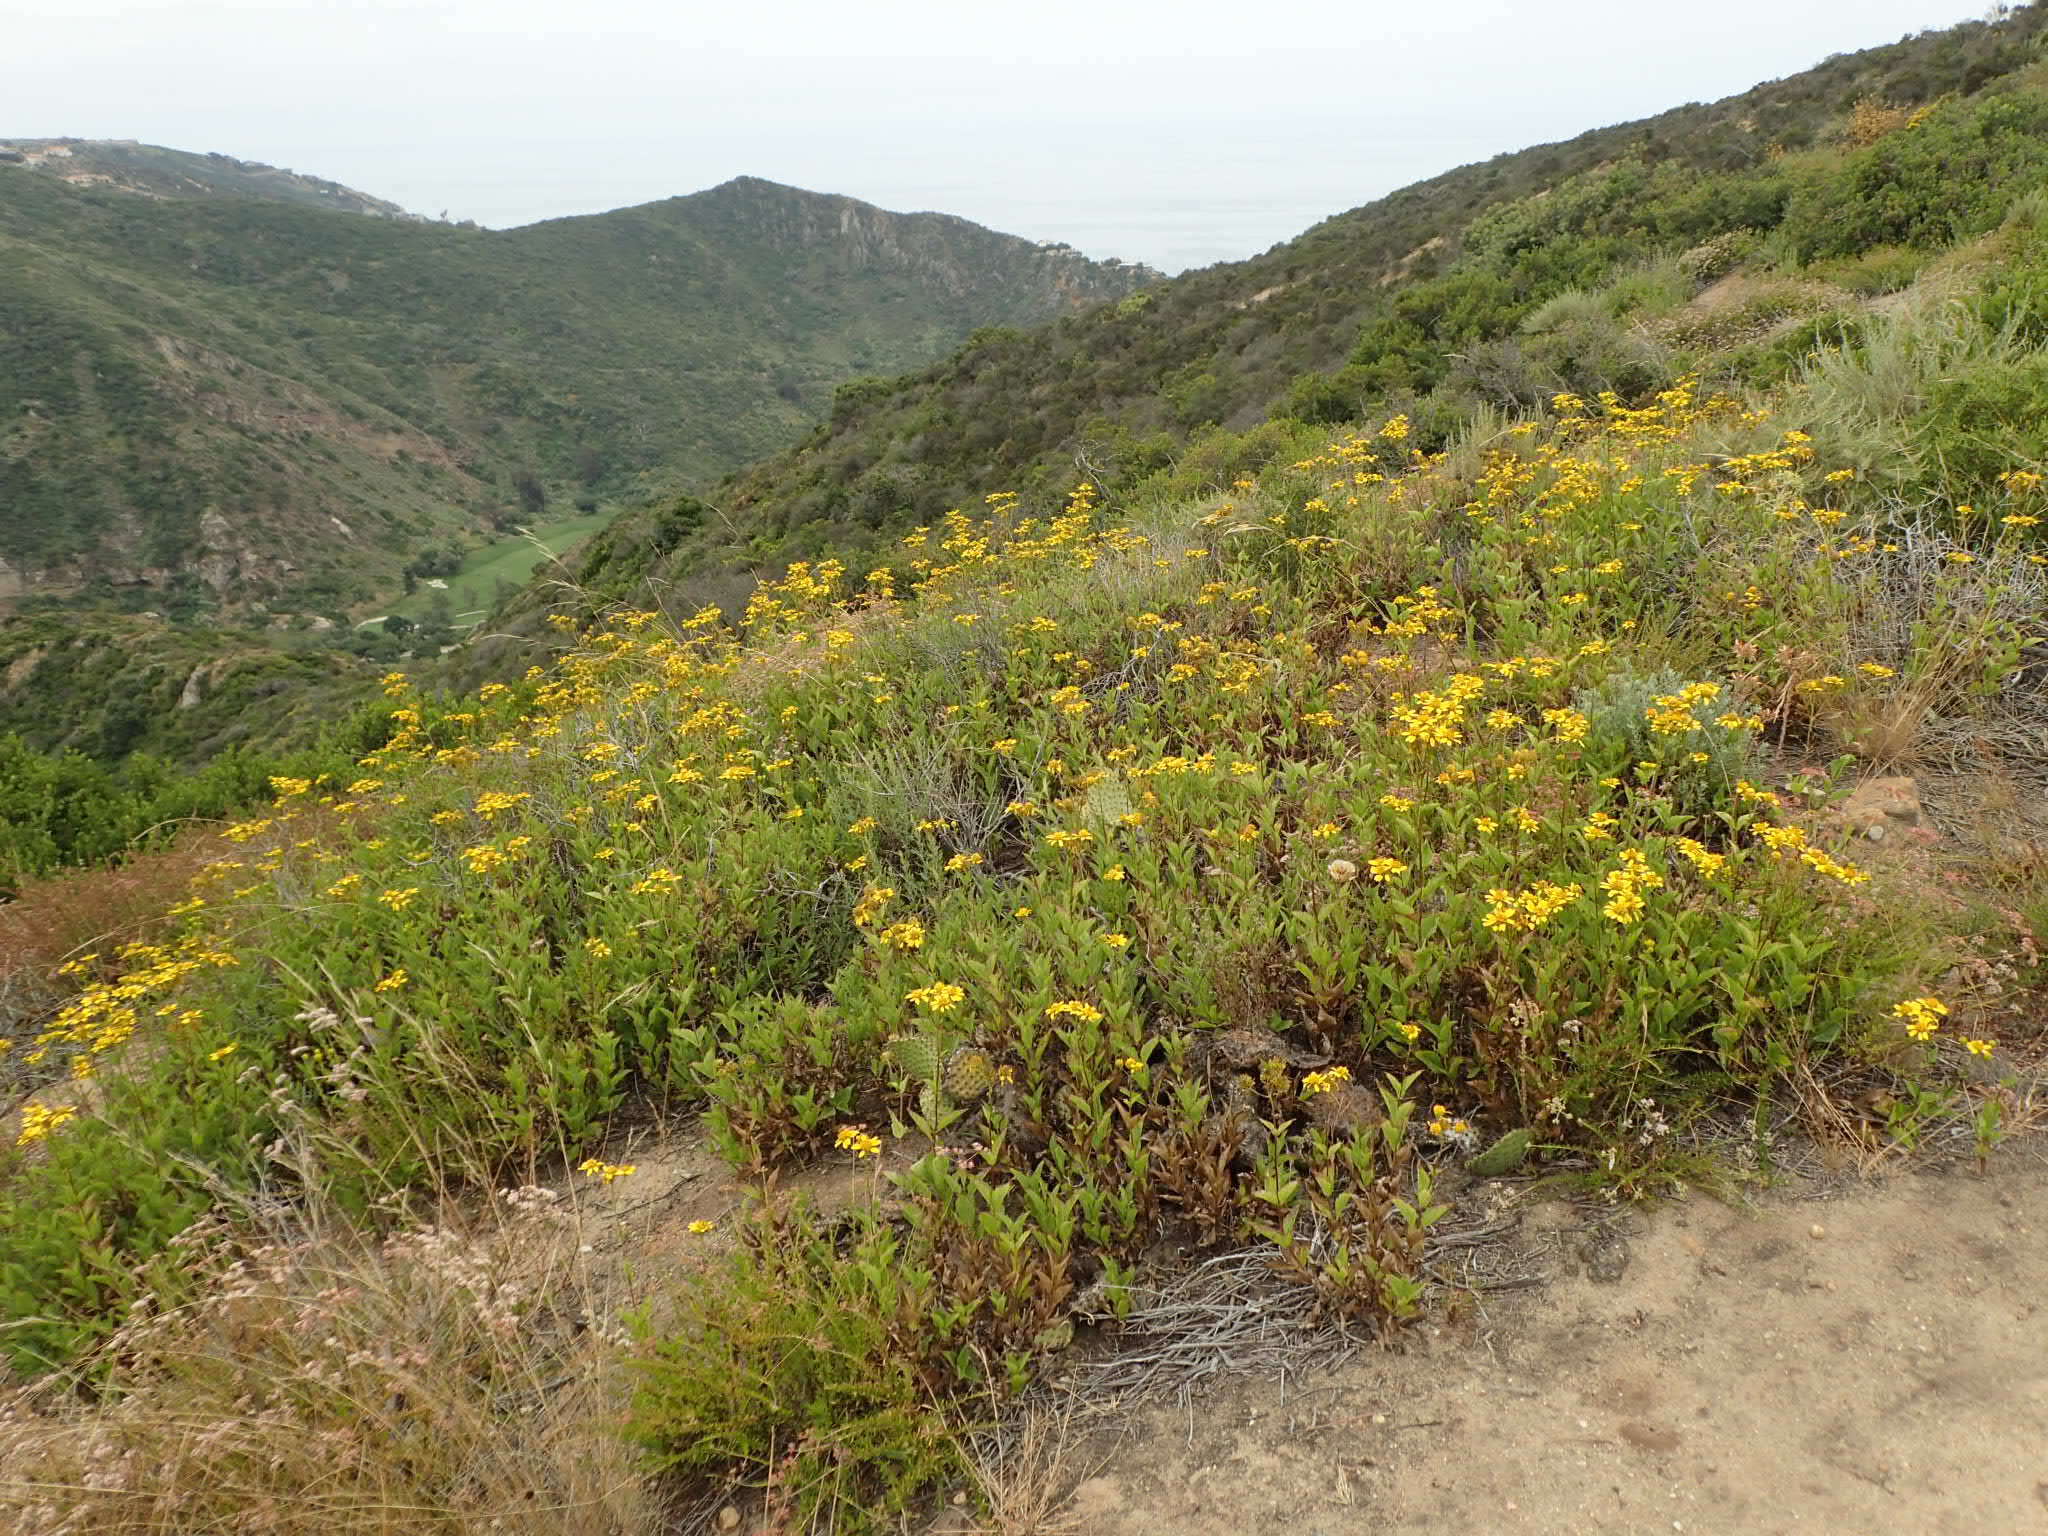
<point x="1178" y="132"/>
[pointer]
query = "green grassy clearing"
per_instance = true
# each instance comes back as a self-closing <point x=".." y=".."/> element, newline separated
<point x="473" y="591"/>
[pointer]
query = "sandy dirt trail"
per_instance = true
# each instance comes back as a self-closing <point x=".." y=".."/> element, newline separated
<point x="1872" y="1362"/>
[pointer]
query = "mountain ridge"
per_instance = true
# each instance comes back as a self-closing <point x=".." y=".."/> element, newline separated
<point x="156" y="170"/>
<point x="1373" y="306"/>
<point x="229" y="398"/>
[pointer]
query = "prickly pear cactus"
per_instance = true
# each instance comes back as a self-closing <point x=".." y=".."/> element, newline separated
<point x="1505" y="1155"/>
<point x="915" y="1056"/>
<point x="970" y="1073"/>
<point x="918" y="1056"/>
<point x="1109" y="800"/>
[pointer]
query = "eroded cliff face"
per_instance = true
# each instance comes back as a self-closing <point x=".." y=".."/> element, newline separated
<point x="237" y="505"/>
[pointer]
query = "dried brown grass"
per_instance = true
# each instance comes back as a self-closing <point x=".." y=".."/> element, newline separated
<point x="447" y="1379"/>
<point x="60" y="916"/>
<point x="1025" y="1472"/>
<point x="56" y="916"/>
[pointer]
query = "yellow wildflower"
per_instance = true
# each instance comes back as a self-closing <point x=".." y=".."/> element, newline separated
<point x="1922" y="1015"/>
<point x="857" y="1140"/>
<point x="905" y="935"/>
<point x="39" y="1120"/>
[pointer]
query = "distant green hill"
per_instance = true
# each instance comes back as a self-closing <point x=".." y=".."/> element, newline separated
<point x="432" y="382"/>
<point x="216" y="392"/>
<point x="154" y="171"/>
<point x="1448" y="299"/>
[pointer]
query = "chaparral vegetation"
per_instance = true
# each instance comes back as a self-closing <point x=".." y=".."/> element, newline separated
<point x="1248" y="860"/>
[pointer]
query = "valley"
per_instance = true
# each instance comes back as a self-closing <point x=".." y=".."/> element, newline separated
<point x="1398" y="882"/>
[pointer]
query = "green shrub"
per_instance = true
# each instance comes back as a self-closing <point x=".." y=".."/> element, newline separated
<point x="1714" y="259"/>
<point x="1982" y="424"/>
<point x="1933" y="404"/>
<point x="91" y="1211"/>
<point x="1874" y="272"/>
<point x="1624" y="743"/>
<point x="1950" y="176"/>
<point x="789" y="1372"/>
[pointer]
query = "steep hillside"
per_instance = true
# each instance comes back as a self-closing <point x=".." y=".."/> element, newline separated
<point x="1426" y="301"/>
<point x="1140" y="925"/>
<point x="1078" y="936"/>
<point x="220" y="400"/>
<point x="128" y="682"/>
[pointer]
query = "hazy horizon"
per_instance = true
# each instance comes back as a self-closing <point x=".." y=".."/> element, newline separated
<point x="1167" y="136"/>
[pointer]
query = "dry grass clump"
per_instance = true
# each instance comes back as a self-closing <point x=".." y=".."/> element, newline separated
<point x="1025" y="1468"/>
<point x="447" y="1379"/>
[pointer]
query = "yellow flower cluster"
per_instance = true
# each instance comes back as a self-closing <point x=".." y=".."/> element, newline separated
<point x="659" y="881"/>
<point x="1086" y="1013"/>
<point x="105" y="1013"/>
<point x="858" y="1140"/>
<point x="1525" y="911"/>
<point x="1700" y="857"/>
<point x="1625" y="886"/>
<point x="1437" y="719"/>
<point x="907" y="934"/>
<point x="1443" y="1123"/>
<point x="1671" y="714"/>
<point x="39" y="1120"/>
<point x="1570" y="725"/>
<point x="1922" y="1015"/>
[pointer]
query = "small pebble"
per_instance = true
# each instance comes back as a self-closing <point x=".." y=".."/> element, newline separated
<point x="728" y="1519"/>
<point x="1816" y="1230"/>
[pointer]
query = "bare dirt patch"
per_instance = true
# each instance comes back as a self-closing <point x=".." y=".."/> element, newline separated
<point x="1877" y="1361"/>
<point x="1841" y="1356"/>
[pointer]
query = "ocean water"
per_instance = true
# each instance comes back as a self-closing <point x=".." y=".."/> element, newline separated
<point x="1142" y="193"/>
<point x="1158" y="203"/>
